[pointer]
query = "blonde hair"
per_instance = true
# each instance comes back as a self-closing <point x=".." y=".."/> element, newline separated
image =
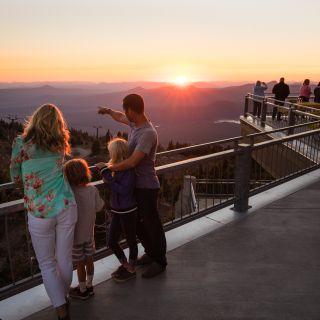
<point x="48" y="129"/>
<point x="77" y="172"/>
<point x="118" y="150"/>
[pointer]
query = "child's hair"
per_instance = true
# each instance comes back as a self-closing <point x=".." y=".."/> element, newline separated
<point x="77" y="172"/>
<point x="48" y="129"/>
<point x="118" y="150"/>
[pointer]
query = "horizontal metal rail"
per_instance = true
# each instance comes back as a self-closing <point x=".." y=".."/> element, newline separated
<point x="197" y="147"/>
<point x="301" y="125"/>
<point x="307" y="114"/>
<point x="17" y="205"/>
<point x="292" y="137"/>
<point x="281" y="104"/>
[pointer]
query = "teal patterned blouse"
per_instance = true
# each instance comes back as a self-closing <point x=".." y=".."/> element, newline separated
<point x="46" y="190"/>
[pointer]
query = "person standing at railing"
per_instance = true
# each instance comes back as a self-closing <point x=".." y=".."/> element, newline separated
<point x="123" y="209"/>
<point x="143" y="141"/>
<point x="88" y="202"/>
<point x="281" y="92"/>
<point x="258" y="92"/>
<point x="305" y="91"/>
<point x="37" y="163"/>
<point x="317" y="93"/>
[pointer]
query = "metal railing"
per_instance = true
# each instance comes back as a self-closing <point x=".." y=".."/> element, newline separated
<point x="190" y="188"/>
<point x="299" y="120"/>
<point x="187" y="193"/>
<point x="228" y="143"/>
<point x="265" y="110"/>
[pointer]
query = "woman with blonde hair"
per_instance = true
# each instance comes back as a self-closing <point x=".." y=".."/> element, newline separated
<point x="37" y="163"/>
<point x="123" y="209"/>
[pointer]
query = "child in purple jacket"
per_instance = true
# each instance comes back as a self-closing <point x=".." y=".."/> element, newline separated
<point x="123" y="209"/>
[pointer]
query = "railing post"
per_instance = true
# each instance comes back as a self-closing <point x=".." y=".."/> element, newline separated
<point x="185" y="204"/>
<point x="246" y="106"/>
<point x="291" y="119"/>
<point x="242" y="178"/>
<point x="236" y="144"/>
<point x="264" y="113"/>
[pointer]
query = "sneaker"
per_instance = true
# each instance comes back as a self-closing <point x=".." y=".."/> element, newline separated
<point x="153" y="270"/>
<point x="124" y="275"/>
<point x="77" y="294"/>
<point x="144" y="260"/>
<point x="120" y="268"/>
<point x="90" y="291"/>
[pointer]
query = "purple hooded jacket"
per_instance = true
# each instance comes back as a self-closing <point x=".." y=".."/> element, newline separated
<point x="122" y="186"/>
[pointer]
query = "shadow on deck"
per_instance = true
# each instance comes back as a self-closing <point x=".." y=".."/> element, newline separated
<point x="266" y="266"/>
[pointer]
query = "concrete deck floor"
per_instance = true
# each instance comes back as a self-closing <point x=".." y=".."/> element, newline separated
<point x="265" y="266"/>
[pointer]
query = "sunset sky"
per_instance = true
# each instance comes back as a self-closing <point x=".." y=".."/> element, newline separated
<point x="129" y="40"/>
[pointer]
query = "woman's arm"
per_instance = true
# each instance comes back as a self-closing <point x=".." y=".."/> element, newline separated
<point x="17" y="156"/>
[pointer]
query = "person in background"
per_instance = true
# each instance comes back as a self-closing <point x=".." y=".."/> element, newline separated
<point x="123" y="209"/>
<point x="305" y="91"/>
<point x="281" y="92"/>
<point x="258" y="91"/>
<point x="37" y="163"/>
<point x="88" y="202"/>
<point x="317" y="93"/>
<point x="143" y="141"/>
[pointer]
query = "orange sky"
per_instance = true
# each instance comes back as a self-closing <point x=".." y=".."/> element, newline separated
<point x="116" y="41"/>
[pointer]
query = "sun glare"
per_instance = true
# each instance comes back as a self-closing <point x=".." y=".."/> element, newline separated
<point x="181" y="81"/>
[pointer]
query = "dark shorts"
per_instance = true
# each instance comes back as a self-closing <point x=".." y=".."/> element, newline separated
<point x="81" y="252"/>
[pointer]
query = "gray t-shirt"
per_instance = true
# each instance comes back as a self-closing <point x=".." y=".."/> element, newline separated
<point x="145" y="139"/>
<point x="88" y="202"/>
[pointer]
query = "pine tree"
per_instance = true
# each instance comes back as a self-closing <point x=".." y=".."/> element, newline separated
<point x="95" y="148"/>
<point x="170" y="145"/>
<point x="108" y="136"/>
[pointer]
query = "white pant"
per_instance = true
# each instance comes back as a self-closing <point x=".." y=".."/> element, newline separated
<point x="52" y="240"/>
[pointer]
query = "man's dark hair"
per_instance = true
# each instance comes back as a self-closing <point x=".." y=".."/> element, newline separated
<point x="133" y="102"/>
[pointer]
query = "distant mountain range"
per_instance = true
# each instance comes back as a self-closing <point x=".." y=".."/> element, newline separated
<point x="190" y="114"/>
<point x="111" y="86"/>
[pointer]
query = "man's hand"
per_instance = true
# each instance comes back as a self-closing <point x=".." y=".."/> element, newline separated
<point x="129" y="163"/>
<point x="101" y="165"/>
<point x="104" y="110"/>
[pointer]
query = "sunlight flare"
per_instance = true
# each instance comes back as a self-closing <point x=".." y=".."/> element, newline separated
<point x="181" y="81"/>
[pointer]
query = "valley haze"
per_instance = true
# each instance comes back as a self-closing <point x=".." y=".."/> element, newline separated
<point x="199" y="112"/>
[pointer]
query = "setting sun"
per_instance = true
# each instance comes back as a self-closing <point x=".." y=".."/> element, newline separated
<point x="180" y="81"/>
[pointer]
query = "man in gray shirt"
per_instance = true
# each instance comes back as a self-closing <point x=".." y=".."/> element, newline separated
<point x="143" y="141"/>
